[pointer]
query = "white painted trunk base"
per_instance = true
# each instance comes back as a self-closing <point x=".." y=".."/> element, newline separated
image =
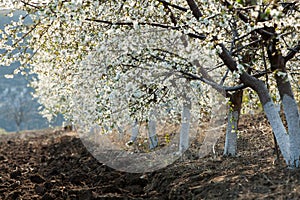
<point x="231" y="134"/>
<point x="288" y="142"/>
<point x="134" y="131"/>
<point x="291" y="112"/>
<point x="153" y="140"/>
<point x="185" y="127"/>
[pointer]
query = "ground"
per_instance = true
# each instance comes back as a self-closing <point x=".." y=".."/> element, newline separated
<point x="54" y="164"/>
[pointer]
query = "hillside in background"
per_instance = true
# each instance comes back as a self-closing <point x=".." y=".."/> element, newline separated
<point x="15" y="95"/>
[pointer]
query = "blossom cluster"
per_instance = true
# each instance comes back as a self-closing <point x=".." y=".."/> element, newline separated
<point x="94" y="59"/>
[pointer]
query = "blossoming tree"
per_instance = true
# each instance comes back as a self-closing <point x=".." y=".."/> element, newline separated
<point x="85" y="52"/>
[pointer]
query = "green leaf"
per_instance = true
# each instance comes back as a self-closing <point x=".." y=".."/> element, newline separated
<point x="240" y="1"/>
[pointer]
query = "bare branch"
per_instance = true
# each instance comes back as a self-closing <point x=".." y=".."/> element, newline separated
<point x="26" y="34"/>
<point x="213" y="84"/>
<point x="31" y="5"/>
<point x="173" y="5"/>
<point x="292" y="52"/>
<point x="131" y="24"/>
<point x="265" y="64"/>
<point x="247" y="45"/>
<point x="243" y="17"/>
<point x="192" y="35"/>
<point x="224" y="77"/>
<point x="216" y="67"/>
<point x="235" y="88"/>
<point x="246" y="78"/>
<point x="194" y="8"/>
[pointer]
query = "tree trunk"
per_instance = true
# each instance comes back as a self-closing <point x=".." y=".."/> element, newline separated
<point x="121" y="133"/>
<point x="134" y="131"/>
<point x="18" y="128"/>
<point x="292" y="117"/>
<point x="232" y="125"/>
<point x="185" y="126"/>
<point x="273" y="116"/>
<point x="291" y="112"/>
<point x="290" y="107"/>
<point x="153" y="140"/>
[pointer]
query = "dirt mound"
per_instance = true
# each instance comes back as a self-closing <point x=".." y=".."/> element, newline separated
<point x="54" y="164"/>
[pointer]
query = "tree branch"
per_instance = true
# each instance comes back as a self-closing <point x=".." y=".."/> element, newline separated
<point x="26" y="34"/>
<point x="194" y="8"/>
<point x="214" y="85"/>
<point x="173" y="5"/>
<point x="131" y="24"/>
<point x="192" y="35"/>
<point x="292" y="52"/>
<point x="28" y="4"/>
<point x="224" y="77"/>
<point x="247" y="45"/>
<point x="243" y="17"/>
<point x="248" y="80"/>
<point x="228" y="60"/>
<point x="234" y="88"/>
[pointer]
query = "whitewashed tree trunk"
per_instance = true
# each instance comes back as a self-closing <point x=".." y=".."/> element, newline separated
<point x="290" y="107"/>
<point x="134" y="131"/>
<point x="231" y="134"/>
<point x="291" y="112"/>
<point x="230" y="148"/>
<point x="121" y="132"/>
<point x="185" y="126"/>
<point x="292" y="117"/>
<point x="278" y="128"/>
<point x="153" y="140"/>
<point x="287" y="142"/>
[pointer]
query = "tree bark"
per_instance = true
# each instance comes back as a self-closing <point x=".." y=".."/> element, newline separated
<point x="194" y="8"/>
<point x="153" y="140"/>
<point x="230" y="148"/>
<point x="134" y="131"/>
<point x="290" y="107"/>
<point x="185" y="125"/>
<point x="267" y="102"/>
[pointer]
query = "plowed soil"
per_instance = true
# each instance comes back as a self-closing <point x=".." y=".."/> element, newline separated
<point x="54" y="164"/>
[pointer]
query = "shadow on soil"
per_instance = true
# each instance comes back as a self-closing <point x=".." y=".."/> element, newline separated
<point x="54" y="164"/>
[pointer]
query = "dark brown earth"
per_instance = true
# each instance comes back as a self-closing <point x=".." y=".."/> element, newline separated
<point x="54" y="164"/>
